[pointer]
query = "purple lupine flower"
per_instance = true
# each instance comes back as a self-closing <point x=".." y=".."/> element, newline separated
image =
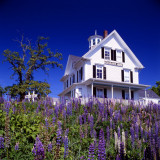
<point x="101" y="146"/>
<point x="66" y="132"/>
<point x="50" y="112"/>
<point x="119" y="132"/>
<point x="46" y="123"/>
<point x="111" y="124"/>
<point x="132" y="136"/>
<point x="1" y="142"/>
<point x="91" y="125"/>
<point x="53" y="120"/>
<point x="38" y="150"/>
<point x="69" y="109"/>
<point x="84" y="117"/>
<point x="50" y="147"/>
<point x="91" y="152"/>
<point x="122" y="150"/>
<point x="65" y="146"/>
<point x="80" y="120"/>
<point x="136" y="131"/>
<point x="64" y="113"/>
<point x="118" y="158"/>
<point x="95" y="134"/>
<point x="17" y="146"/>
<point x="59" y="133"/>
<point x="56" y="110"/>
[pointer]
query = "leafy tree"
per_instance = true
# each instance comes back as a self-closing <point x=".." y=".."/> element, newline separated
<point x="1" y="91"/>
<point x="156" y="88"/>
<point x="31" y="58"/>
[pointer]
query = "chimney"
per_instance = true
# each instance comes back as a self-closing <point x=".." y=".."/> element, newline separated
<point x="105" y="33"/>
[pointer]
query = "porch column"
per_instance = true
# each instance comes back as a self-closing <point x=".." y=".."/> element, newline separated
<point x="129" y="93"/>
<point x="112" y="91"/>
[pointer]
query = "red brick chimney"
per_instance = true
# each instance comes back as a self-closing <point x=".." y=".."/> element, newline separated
<point x="105" y="33"/>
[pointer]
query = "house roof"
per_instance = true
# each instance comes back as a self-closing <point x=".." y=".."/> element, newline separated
<point x="119" y="38"/>
<point x="74" y="60"/>
<point x="149" y="94"/>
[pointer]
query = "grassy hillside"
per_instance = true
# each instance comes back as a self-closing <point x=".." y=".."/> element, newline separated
<point x="107" y="130"/>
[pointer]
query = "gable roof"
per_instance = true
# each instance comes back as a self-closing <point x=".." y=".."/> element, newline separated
<point x="149" y="94"/>
<point x="72" y="58"/>
<point x="114" y="33"/>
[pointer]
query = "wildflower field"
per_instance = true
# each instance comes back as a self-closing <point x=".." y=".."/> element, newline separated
<point x="107" y="130"/>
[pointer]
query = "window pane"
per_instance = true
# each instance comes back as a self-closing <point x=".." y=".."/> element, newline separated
<point x="107" y="55"/>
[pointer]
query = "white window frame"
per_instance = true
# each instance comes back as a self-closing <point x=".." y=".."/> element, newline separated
<point x="99" y="70"/>
<point x="107" y="51"/>
<point x="119" y="56"/>
<point x="126" y="75"/>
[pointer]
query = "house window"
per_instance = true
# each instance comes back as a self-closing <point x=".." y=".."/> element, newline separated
<point x="107" y="54"/>
<point x="80" y="92"/>
<point x="99" y="72"/>
<point x="94" y="42"/>
<point x="98" y="40"/>
<point x="126" y="75"/>
<point x="99" y="93"/>
<point x="119" y="56"/>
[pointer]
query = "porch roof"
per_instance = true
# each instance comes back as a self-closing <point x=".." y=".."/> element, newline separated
<point x="102" y="82"/>
<point x="115" y="83"/>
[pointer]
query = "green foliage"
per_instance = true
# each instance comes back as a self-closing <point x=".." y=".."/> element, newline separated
<point x="31" y="58"/>
<point x="156" y="88"/>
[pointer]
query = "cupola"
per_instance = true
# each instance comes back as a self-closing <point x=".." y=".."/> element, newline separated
<point x="94" y="40"/>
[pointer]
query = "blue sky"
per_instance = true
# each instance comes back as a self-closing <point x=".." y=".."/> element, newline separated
<point x="70" y="23"/>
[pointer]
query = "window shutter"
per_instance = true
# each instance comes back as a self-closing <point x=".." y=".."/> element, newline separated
<point x="132" y="95"/>
<point x="105" y="93"/>
<point x="123" y="56"/>
<point x="81" y="73"/>
<point x="94" y="91"/>
<point x="112" y="54"/>
<point x="102" y="52"/>
<point x="131" y="76"/>
<point x="122" y="75"/>
<point x="104" y="72"/>
<point x="94" y="71"/>
<point x="123" y="94"/>
<point x="77" y="76"/>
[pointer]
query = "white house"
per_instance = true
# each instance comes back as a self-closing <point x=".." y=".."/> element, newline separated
<point x="109" y="69"/>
